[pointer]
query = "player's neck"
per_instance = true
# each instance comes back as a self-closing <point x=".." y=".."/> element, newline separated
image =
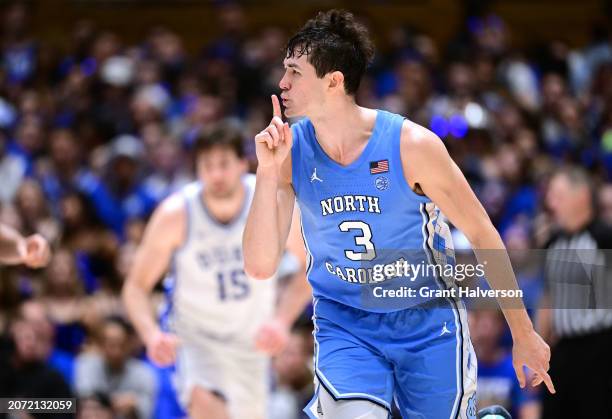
<point x="342" y="128"/>
<point x="225" y="209"/>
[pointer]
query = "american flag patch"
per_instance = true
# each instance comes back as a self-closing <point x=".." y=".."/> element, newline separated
<point x="380" y="166"/>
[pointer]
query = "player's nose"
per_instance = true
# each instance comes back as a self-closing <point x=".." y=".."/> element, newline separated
<point x="284" y="83"/>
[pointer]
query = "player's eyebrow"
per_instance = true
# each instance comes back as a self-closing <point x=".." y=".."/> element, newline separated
<point x="292" y="65"/>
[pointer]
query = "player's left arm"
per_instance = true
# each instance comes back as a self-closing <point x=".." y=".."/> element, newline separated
<point x="428" y="166"/>
<point x="273" y="336"/>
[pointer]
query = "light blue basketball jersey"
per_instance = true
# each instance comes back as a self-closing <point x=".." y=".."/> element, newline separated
<point x="358" y="218"/>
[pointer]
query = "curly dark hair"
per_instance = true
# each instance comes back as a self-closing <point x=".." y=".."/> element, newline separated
<point x="334" y="41"/>
<point x="224" y="134"/>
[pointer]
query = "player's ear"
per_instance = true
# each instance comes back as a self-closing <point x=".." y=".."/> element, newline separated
<point x="336" y="80"/>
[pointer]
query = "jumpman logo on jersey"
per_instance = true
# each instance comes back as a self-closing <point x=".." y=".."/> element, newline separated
<point x="445" y="330"/>
<point x="315" y="177"/>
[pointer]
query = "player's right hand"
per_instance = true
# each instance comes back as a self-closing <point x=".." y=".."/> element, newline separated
<point x="272" y="337"/>
<point x="161" y="348"/>
<point x="273" y="144"/>
<point x="530" y="350"/>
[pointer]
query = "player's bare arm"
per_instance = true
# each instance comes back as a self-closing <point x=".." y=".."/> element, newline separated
<point x="273" y="336"/>
<point x="428" y="167"/>
<point x="33" y="251"/>
<point x="163" y="235"/>
<point x="543" y="320"/>
<point x="269" y="217"/>
<point x="298" y="292"/>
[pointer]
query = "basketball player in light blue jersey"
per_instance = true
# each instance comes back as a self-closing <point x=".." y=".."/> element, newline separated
<point x="371" y="187"/>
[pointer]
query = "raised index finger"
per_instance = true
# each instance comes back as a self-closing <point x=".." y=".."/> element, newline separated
<point x="276" y="109"/>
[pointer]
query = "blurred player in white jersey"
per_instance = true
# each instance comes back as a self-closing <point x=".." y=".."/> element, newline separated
<point x="222" y="325"/>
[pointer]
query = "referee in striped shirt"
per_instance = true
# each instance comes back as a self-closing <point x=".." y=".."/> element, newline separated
<point x="576" y="311"/>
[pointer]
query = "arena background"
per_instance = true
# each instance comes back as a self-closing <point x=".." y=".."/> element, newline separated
<point x="100" y="100"/>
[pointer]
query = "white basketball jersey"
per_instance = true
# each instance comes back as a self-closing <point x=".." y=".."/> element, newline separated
<point x="210" y="294"/>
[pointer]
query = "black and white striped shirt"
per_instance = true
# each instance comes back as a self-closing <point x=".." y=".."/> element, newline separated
<point x="578" y="280"/>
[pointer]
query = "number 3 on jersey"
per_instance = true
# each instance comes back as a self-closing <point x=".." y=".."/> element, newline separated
<point x="365" y="240"/>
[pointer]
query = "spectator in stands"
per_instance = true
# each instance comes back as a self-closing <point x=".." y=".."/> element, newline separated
<point x="605" y="203"/>
<point x="94" y="246"/>
<point x="34" y="312"/>
<point x="24" y="372"/>
<point x="34" y="211"/>
<point x="112" y="370"/>
<point x="62" y="296"/>
<point x="12" y="170"/>
<point x="497" y="382"/>
<point x="168" y="169"/>
<point x="293" y="379"/>
<point x="96" y="406"/>
<point x="29" y="140"/>
<point x="123" y="179"/>
<point x="64" y="172"/>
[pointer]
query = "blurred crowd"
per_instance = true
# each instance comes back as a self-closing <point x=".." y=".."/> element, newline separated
<point x="94" y="135"/>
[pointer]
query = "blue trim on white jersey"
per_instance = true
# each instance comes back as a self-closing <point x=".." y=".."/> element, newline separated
<point x="169" y="286"/>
